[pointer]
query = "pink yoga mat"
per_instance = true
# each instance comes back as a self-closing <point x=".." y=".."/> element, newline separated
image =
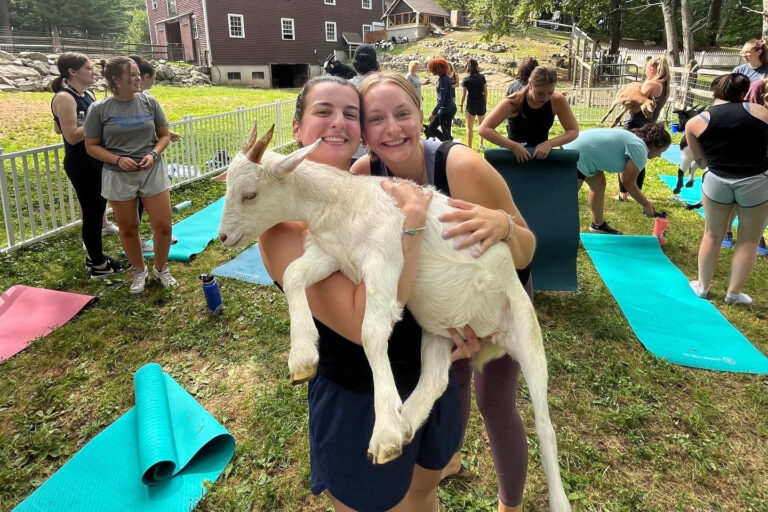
<point x="27" y="313"/>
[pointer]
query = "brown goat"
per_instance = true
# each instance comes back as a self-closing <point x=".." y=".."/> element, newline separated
<point x="633" y="100"/>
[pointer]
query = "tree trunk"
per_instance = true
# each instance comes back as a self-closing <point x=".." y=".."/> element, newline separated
<point x="685" y="11"/>
<point x="765" y="19"/>
<point x="721" y="26"/>
<point x="713" y="20"/>
<point x="670" y="29"/>
<point x="614" y="26"/>
<point x="5" y="17"/>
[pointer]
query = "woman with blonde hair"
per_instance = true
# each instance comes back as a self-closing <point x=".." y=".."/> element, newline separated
<point x="531" y="113"/>
<point x="413" y="77"/>
<point x="656" y="86"/>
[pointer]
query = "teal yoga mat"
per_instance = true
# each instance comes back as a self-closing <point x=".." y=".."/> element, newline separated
<point x="155" y="458"/>
<point x="663" y="311"/>
<point x="195" y="232"/>
<point x="672" y="154"/>
<point x="247" y="266"/>
<point x="545" y="193"/>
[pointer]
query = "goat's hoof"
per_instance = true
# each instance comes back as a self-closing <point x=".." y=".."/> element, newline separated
<point x="385" y="454"/>
<point x="677" y="190"/>
<point x="689" y="184"/>
<point x="302" y="375"/>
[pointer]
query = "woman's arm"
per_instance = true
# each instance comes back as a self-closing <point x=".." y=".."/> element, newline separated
<point x="629" y="179"/>
<point x="94" y="147"/>
<point x="65" y="108"/>
<point x="651" y="88"/>
<point x="498" y="115"/>
<point x="478" y="192"/>
<point x="564" y="114"/>
<point x="336" y="301"/>
<point x="443" y="86"/>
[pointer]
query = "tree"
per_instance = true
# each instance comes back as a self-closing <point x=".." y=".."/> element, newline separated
<point x="687" y="23"/>
<point x="5" y="14"/>
<point x="138" y="30"/>
<point x="670" y="29"/>
<point x="494" y="17"/>
<point x="713" y="20"/>
<point x="614" y="26"/>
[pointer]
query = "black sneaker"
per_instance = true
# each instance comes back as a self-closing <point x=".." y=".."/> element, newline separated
<point x="112" y="267"/>
<point x="88" y="264"/>
<point x="604" y="228"/>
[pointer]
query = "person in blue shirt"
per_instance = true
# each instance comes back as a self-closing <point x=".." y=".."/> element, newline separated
<point x="755" y="60"/>
<point x="616" y="151"/>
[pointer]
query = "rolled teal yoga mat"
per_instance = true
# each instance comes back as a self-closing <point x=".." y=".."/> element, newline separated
<point x="155" y="458"/>
<point x="247" y="266"/>
<point x="195" y="232"/>
<point x="662" y="310"/>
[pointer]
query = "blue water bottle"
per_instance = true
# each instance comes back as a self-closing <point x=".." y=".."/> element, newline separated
<point x="212" y="294"/>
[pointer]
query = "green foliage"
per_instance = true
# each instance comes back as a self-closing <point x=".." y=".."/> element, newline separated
<point x="138" y="30"/>
<point x="96" y="17"/>
<point x="742" y="26"/>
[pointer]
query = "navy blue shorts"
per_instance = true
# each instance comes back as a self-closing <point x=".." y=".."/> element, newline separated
<point x="340" y="427"/>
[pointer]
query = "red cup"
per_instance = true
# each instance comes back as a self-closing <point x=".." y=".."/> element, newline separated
<point x="660" y="228"/>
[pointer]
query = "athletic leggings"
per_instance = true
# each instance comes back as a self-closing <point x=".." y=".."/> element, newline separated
<point x="495" y="393"/>
<point x="640" y="179"/>
<point x="84" y="173"/>
<point x="443" y="119"/>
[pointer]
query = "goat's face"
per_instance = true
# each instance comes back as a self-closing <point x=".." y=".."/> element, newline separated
<point x="647" y="108"/>
<point x="683" y="116"/>
<point x="258" y="196"/>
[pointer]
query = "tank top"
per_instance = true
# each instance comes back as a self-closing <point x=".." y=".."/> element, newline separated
<point x="531" y="126"/>
<point x="724" y="141"/>
<point x="83" y="103"/>
<point x="638" y="119"/>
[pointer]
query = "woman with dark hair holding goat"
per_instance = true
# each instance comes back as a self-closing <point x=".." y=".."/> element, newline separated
<point x="531" y="113"/>
<point x="736" y="177"/>
<point x="70" y="104"/>
<point x="616" y="151"/>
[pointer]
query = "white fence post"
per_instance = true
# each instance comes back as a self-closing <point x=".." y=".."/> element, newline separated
<point x="279" y="122"/>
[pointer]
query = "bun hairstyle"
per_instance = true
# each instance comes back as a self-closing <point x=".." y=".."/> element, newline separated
<point x="526" y="68"/>
<point x="65" y="62"/>
<point x="730" y="87"/>
<point x="654" y="135"/>
<point x="112" y="68"/>
<point x="758" y="45"/>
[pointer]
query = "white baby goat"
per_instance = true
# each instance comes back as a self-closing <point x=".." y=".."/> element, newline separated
<point x="356" y="227"/>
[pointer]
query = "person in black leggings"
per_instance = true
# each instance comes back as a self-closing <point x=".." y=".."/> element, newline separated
<point x="442" y="115"/>
<point x="69" y="106"/>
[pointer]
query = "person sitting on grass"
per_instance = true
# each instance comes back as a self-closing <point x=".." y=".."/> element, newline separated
<point x="736" y="177"/>
<point x="616" y="151"/>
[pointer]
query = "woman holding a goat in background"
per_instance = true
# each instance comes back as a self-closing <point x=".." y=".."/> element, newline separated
<point x="486" y="213"/>
<point x="128" y="131"/>
<point x="341" y="409"/>
<point x="736" y="177"/>
<point x="531" y="113"/>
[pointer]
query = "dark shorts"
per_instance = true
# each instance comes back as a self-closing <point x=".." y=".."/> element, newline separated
<point x="340" y="426"/>
<point x="476" y="109"/>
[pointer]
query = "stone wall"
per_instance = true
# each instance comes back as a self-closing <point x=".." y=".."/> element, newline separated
<point x="34" y="72"/>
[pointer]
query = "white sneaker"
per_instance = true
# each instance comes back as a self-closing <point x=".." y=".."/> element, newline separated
<point x="741" y="298"/>
<point x="139" y="280"/>
<point x="165" y="277"/>
<point x="110" y="229"/>
<point x="146" y="248"/>
<point x="698" y="290"/>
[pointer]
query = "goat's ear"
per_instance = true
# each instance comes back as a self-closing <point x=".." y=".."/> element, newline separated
<point x="289" y="163"/>
<point x="256" y="151"/>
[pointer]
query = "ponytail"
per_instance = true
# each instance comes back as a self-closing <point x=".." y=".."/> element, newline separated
<point x="65" y="62"/>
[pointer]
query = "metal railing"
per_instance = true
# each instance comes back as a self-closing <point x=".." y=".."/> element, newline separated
<point x="37" y="200"/>
<point x="721" y="59"/>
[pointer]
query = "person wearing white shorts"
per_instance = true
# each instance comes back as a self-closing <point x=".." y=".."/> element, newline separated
<point x="736" y="177"/>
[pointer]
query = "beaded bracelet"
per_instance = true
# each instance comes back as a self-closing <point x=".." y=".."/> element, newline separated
<point x="510" y="228"/>
<point x="413" y="231"/>
<point x="118" y="161"/>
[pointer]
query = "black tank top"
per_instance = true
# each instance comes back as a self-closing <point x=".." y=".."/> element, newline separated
<point x="531" y="126"/>
<point x="735" y="141"/>
<point x="638" y="119"/>
<point x="83" y="103"/>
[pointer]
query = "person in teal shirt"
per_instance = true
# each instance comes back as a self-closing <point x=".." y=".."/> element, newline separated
<point x="624" y="152"/>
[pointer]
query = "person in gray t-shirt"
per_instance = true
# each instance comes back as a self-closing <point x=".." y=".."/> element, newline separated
<point x="128" y="131"/>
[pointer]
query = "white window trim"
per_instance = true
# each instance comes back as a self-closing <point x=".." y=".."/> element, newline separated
<point x="168" y="7"/>
<point x="369" y="27"/>
<point x="335" y="33"/>
<point x="293" y="29"/>
<point x="242" y="25"/>
<point x="154" y="4"/>
<point x="329" y="2"/>
<point x="193" y="26"/>
<point x="370" y="4"/>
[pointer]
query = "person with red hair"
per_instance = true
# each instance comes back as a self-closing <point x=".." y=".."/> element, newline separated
<point x="442" y="114"/>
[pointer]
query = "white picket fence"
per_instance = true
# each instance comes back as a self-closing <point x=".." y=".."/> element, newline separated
<point x="704" y="59"/>
<point x="38" y="201"/>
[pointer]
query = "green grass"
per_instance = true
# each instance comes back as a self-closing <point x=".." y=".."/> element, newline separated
<point x="634" y="433"/>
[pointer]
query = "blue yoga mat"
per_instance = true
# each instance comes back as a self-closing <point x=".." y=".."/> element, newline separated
<point x="247" y="266"/>
<point x="195" y="232"/>
<point x="155" y="458"/>
<point x="690" y="195"/>
<point x="663" y="311"/>
<point x="673" y="155"/>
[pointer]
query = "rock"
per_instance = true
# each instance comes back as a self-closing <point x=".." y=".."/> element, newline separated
<point x="202" y="69"/>
<point x="164" y="72"/>
<point x="649" y="43"/>
<point x="497" y="48"/>
<point x="8" y="88"/>
<point x="34" y="56"/>
<point x="6" y="58"/>
<point x="47" y="83"/>
<point x="30" y="86"/>
<point x="40" y="67"/>
<point x="16" y="72"/>
<point x="162" y="61"/>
